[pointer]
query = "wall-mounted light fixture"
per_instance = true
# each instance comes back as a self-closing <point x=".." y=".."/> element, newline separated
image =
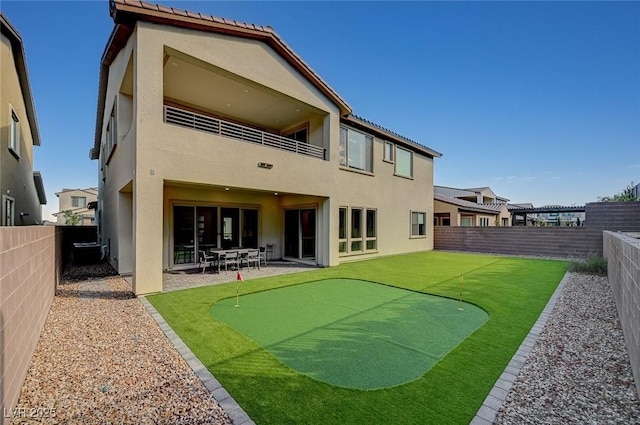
<point x="23" y="213"/>
<point x="265" y="165"/>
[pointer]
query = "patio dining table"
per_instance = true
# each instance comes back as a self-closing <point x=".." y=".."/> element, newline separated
<point x="218" y="254"/>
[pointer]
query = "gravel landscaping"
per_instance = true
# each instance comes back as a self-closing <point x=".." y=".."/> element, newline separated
<point x="102" y="359"/>
<point x="578" y="372"/>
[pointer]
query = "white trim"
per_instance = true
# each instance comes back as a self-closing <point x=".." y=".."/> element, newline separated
<point x="14" y="132"/>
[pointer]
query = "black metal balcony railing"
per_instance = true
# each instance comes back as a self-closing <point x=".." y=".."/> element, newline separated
<point x="224" y="128"/>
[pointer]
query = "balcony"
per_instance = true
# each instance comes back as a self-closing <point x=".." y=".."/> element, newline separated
<point x="188" y="119"/>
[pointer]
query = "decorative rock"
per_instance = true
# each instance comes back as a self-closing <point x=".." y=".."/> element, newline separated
<point x="578" y="372"/>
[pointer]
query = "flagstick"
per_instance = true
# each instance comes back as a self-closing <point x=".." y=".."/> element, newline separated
<point x="238" y="280"/>
<point x="460" y="304"/>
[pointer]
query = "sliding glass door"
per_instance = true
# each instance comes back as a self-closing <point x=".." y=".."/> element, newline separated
<point x="300" y="234"/>
<point x="202" y="228"/>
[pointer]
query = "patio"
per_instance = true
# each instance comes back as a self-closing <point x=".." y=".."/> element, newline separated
<point x="192" y="278"/>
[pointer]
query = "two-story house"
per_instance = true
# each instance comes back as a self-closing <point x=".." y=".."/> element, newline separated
<point x="212" y="133"/>
<point x="74" y="206"/>
<point x="21" y="189"/>
<point x="478" y="206"/>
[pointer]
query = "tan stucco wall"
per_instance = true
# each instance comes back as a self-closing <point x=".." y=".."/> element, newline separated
<point x="443" y="207"/>
<point x="164" y="165"/>
<point x="65" y="204"/>
<point x="116" y="189"/>
<point x="16" y="175"/>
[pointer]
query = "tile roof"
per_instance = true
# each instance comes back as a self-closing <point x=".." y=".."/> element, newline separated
<point x="470" y="206"/>
<point x="391" y="134"/>
<point x="140" y="10"/>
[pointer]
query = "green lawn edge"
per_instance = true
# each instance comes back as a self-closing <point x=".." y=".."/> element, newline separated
<point x="512" y="290"/>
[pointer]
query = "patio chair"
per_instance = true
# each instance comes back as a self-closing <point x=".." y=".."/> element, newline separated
<point x="204" y="259"/>
<point x="253" y="256"/>
<point x="231" y="259"/>
<point x="262" y="255"/>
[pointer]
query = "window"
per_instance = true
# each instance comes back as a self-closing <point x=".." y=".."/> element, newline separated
<point x="466" y="221"/>
<point x="8" y="210"/>
<point x="484" y="221"/>
<point x="418" y="220"/>
<point x="356" y="229"/>
<point x="505" y="221"/>
<point x="78" y="201"/>
<point x="342" y="230"/>
<point x="371" y="230"/>
<point x="14" y="134"/>
<point x="360" y="233"/>
<point x="404" y="162"/>
<point x="356" y="150"/>
<point x="111" y="136"/>
<point x="300" y="134"/>
<point x="388" y="151"/>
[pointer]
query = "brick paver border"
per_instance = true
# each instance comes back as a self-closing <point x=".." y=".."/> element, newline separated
<point x="487" y="413"/>
<point x="224" y="399"/>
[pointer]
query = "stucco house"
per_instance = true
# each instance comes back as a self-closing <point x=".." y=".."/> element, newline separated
<point x="78" y="203"/>
<point x="478" y="206"/>
<point x="213" y="133"/>
<point x="21" y="188"/>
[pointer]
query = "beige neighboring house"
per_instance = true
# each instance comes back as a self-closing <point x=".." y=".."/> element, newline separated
<point x="21" y="189"/>
<point x="213" y="133"/>
<point x="77" y="202"/>
<point x="478" y="206"/>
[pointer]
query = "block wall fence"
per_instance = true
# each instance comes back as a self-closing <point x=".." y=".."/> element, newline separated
<point x="623" y="264"/>
<point x="30" y="270"/>
<point x="562" y="242"/>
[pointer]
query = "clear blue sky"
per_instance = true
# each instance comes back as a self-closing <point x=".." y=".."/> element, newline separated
<point x="540" y="101"/>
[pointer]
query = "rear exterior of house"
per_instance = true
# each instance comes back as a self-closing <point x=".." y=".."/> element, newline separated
<point x="21" y="189"/>
<point x="215" y="134"/>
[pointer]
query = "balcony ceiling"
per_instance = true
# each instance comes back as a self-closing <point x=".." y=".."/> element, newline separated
<point x="231" y="96"/>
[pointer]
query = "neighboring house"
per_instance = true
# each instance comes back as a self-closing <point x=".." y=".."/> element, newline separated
<point x="77" y="202"/>
<point x="212" y="134"/>
<point x="21" y="188"/>
<point x="469" y="207"/>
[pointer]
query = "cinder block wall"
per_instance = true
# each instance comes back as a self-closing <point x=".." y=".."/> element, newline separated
<point x="562" y="242"/>
<point x="621" y="216"/>
<point x="30" y="270"/>
<point x="623" y="263"/>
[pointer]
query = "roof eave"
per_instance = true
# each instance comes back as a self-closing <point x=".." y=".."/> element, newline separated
<point x="391" y="136"/>
<point x="23" y="75"/>
<point x="128" y="14"/>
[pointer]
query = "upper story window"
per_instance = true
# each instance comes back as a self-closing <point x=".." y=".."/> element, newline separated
<point x="14" y="134"/>
<point x="112" y="135"/>
<point x="299" y="134"/>
<point x="404" y="162"/>
<point x="388" y="151"/>
<point x="78" y="201"/>
<point x="356" y="150"/>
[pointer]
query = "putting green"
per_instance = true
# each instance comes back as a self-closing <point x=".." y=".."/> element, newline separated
<point x="352" y="333"/>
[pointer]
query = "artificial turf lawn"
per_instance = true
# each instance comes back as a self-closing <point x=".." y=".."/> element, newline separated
<point x="512" y="290"/>
<point x="352" y="333"/>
